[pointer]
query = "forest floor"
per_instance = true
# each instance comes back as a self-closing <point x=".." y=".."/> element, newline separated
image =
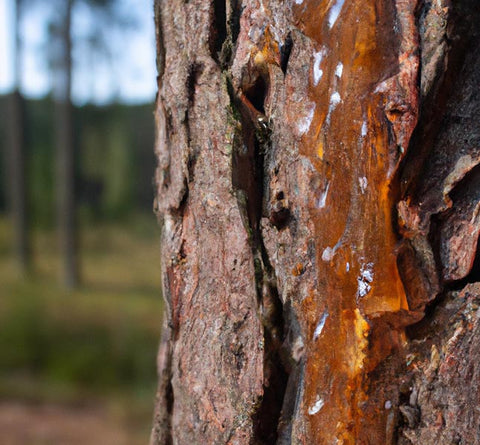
<point x="56" y="424"/>
<point x="78" y="367"/>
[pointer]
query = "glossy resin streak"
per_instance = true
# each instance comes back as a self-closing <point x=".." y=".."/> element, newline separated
<point x="351" y="121"/>
<point x="365" y="110"/>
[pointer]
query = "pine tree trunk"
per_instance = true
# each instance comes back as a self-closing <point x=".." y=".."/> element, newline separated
<point x="66" y="157"/>
<point x="318" y="188"/>
<point x="17" y="164"/>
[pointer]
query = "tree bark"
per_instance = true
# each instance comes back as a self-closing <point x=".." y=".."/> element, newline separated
<point x="17" y="164"/>
<point x="318" y="188"/>
<point x="66" y="157"/>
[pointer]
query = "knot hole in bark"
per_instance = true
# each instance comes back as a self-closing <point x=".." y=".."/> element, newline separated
<point x="285" y="51"/>
<point x="279" y="211"/>
<point x="256" y="90"/>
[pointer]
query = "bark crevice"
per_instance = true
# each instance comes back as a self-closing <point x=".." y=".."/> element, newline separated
<point x="440" y="183"/>
<point x="285" y="51"/>
<point x="251" y="143"/>
<point x="224" y="31"/>
<point x="218" y="28"/>
<point x="443" y="55"/>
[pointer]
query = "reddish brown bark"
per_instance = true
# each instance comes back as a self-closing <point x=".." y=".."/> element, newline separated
<point x="315" y="198"/>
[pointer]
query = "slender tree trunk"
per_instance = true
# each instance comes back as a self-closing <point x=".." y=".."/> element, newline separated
<point x="319" y="193"/>
<point x="18" y="195"/>
<point x="66" y="157"/>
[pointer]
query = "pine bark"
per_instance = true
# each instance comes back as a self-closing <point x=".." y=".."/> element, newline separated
<point x="65" y="147"/>
<point x="17" y="159"/>
<point x="318" y="189"/>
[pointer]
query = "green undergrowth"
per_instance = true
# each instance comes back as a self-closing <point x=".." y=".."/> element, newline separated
<point x="96" y="342"/>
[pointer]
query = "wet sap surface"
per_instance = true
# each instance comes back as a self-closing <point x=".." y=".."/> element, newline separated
<point x="345" y="135"/>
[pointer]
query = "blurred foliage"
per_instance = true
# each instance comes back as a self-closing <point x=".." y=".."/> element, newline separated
<point x="97" y="345"/>
<point x="100" y="338"/>
<point x="115" y="160"/>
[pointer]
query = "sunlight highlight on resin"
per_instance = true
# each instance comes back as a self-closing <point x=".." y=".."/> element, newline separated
<point x="317" y="60"/>
<point x="339" y="70"/>
<point x="318" y="405"/>
<point x="335" y="99"/>
<point x="364" y="280"/>
<point x="363" y="131"/>
<point x="335" y="12"/>
<point x="320" y="326"/>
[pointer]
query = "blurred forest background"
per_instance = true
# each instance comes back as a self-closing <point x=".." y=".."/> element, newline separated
<point x="80" y="303"/>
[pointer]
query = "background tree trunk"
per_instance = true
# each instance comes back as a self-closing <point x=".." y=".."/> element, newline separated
<point x="318" y="187"/>
<point x="18" y="195"/>
<point x="66" y="155"/>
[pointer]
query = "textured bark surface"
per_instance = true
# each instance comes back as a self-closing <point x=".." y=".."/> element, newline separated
<point x="319" y="196"/>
